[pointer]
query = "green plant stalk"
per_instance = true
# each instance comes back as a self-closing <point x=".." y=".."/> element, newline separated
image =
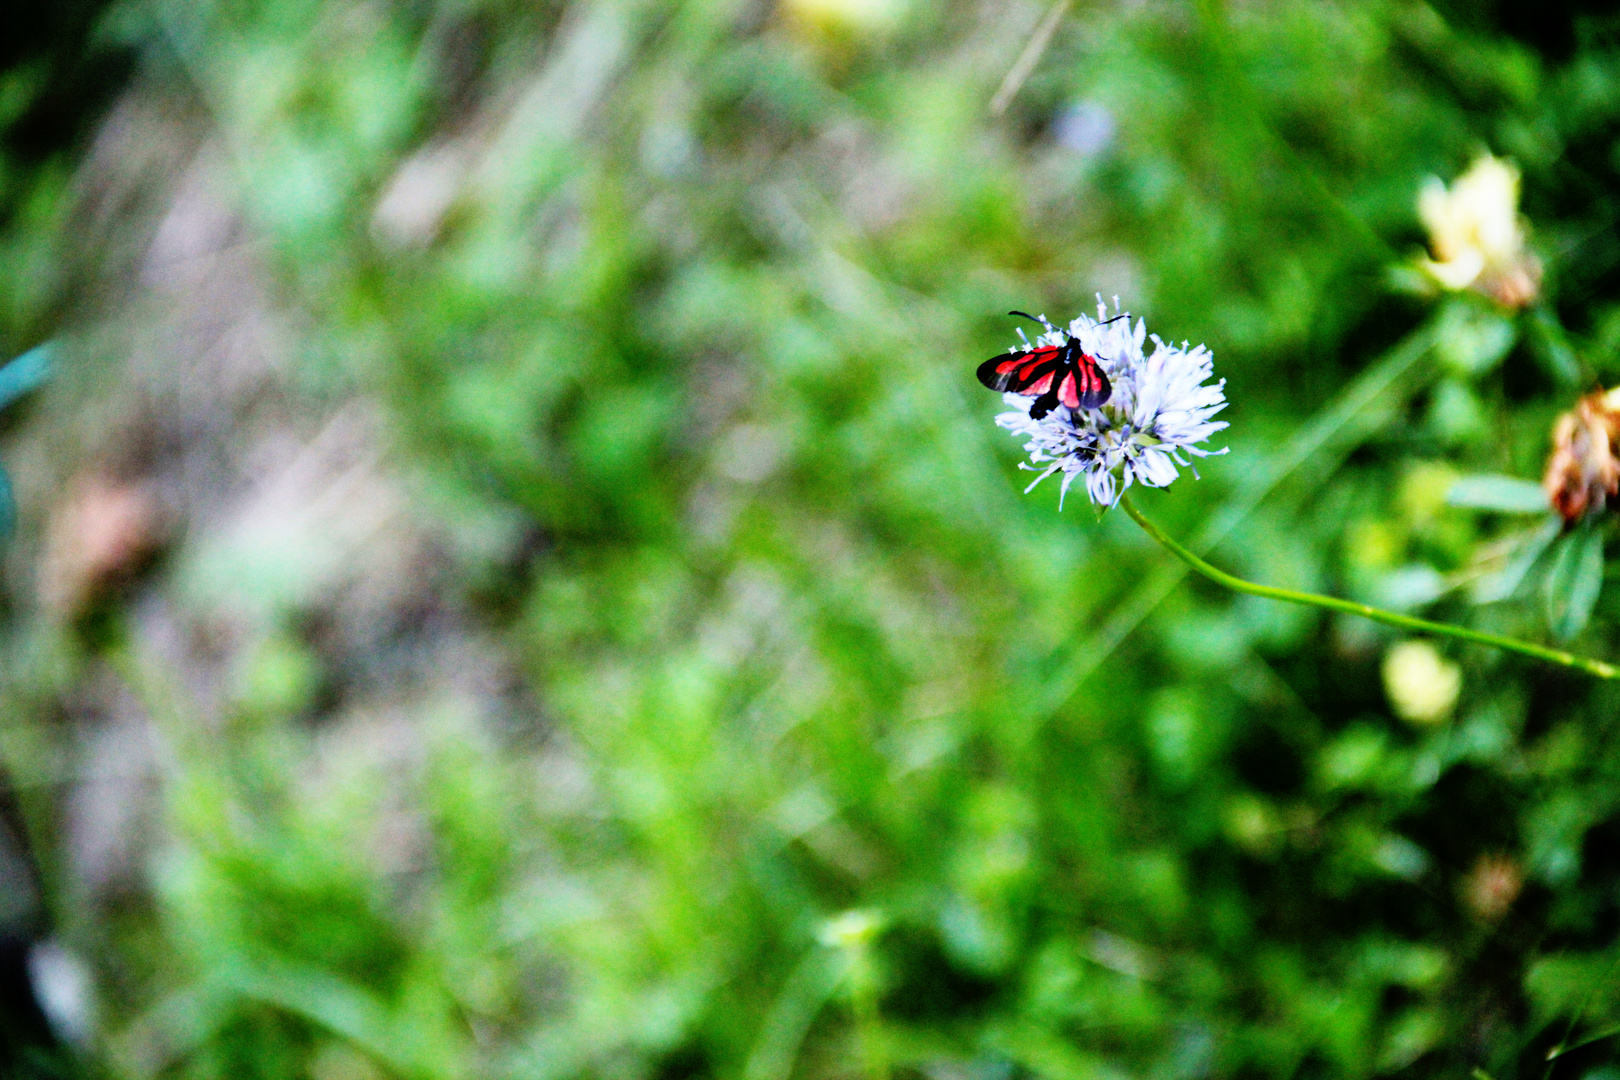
<point x="1367" y="611"/>
<point x="868" y="1025"/>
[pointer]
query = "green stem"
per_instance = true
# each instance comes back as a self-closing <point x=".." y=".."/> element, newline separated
<point x="864" y="1004"/>
<point x="1333" y="603"/>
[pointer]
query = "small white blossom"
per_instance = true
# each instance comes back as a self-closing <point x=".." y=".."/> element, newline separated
<point x="1160" y="409"/>
<point x="1421" y="684"/>
<point x="1477" y="234"/>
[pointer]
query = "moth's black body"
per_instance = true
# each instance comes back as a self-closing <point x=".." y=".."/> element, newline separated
<point x="1052" y="374"/>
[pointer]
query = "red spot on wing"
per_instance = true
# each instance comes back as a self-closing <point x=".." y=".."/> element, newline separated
<point x="1039" y="387"/>
<point x="1023" y="367"/>
<point x="1067" y="392"/>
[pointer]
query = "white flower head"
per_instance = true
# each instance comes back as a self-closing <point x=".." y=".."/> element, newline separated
<point x="1160" y="410"/>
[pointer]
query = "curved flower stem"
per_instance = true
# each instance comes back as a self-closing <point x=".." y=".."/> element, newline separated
<point x="1333" y="603"/>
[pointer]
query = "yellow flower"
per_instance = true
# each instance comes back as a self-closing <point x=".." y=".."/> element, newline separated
<point x="842" y="19"/>
<point x="1477" y="236"/>
<point x="853" y="929"/>
<point x="1421" y="684"/>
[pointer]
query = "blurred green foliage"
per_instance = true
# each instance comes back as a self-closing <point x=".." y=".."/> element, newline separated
<point x="674" y="309"/>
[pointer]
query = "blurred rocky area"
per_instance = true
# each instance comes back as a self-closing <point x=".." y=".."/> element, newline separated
<point x="207" y="541"/>
<point x="515" y="578"/>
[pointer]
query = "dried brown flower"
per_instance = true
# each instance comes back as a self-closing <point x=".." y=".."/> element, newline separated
<point x="1492" y="885"/>
<point x="1584" y="470"/>
<point x="98" y="534"/>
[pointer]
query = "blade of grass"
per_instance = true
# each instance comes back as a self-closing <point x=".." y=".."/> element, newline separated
<point x="1025" y="64"/>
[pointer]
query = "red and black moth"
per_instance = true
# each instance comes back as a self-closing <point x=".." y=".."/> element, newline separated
<point x="1051" y="374"/>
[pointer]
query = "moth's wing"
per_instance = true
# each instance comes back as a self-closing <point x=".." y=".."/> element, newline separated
<point x="1020" y="372"/>
<point x="1050" y="389"/>
<point x="1086" y="387"/>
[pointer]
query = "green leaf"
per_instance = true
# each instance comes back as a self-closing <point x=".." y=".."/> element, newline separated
<point x="1531" y="545"/>
<point x="1572" y="585"/>
<point x="26" y="372"/>
<point x="1472" y="340"/>
<point x="8" y="507"/>
<point x="1550" y="345"/>
<point x="1506" y="494"/>
<point x="17" y="378"/>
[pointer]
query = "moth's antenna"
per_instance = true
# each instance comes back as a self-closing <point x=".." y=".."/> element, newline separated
<point x="1032" y="318"/>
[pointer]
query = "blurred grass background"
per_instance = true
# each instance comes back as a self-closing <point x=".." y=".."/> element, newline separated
<point x="515" y="578"/>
